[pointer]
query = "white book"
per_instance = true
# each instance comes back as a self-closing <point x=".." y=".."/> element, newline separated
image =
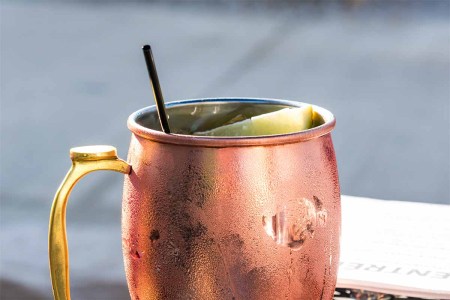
<point x="399" y="248"/>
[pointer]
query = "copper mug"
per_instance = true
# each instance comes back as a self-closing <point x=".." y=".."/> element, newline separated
<point x="217" y="218"/>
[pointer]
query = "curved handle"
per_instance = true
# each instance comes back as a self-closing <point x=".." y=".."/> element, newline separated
<point x="84" y="160"/>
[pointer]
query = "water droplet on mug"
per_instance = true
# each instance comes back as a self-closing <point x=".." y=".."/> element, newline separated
<point x="135" y="255"/>
<point x="293" y="224"/>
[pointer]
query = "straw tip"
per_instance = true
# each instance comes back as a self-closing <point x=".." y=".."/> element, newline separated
<point x="146" y="47"/>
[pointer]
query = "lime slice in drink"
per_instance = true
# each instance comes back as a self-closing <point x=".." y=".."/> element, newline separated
<point x="286" y="120"/>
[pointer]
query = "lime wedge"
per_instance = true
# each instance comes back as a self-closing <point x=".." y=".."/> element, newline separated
<point x="286" y="120"/>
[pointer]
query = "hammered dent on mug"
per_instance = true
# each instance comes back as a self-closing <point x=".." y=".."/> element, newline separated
<point x="218" y="218"/>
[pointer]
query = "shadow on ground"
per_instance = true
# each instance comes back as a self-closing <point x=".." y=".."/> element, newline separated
<point x="101" y="290"/>
<point x="10" y="290"/>
<point x="15" y="291"/>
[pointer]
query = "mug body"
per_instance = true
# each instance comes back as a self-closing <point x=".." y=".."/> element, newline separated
<point x="230" y="218"/>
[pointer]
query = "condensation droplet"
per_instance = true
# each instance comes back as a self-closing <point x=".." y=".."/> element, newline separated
<point x="136" y="255"/>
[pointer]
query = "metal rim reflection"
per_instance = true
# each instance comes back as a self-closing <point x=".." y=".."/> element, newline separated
<point x="221" y="142"/>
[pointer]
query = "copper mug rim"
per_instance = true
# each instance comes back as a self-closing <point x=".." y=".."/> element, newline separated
<point x="220" y="142"/>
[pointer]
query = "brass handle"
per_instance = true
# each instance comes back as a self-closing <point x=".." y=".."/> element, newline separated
<point x="84" y="160"/>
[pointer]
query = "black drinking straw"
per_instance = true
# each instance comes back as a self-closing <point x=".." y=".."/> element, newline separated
<point x="151" y="68"/>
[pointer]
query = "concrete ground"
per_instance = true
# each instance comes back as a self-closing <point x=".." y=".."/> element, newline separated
<point x="72" y="72"/>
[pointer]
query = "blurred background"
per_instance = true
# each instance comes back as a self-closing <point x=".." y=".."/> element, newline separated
<point x="72" y="72"/>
